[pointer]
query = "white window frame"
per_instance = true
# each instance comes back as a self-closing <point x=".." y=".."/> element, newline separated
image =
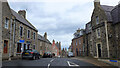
<point x="97" y="19"/>
<point x="76" y="42"/>
<point x="6" y="23"/>
<point x="79" y="41"/>
<point x="98" y="36"/>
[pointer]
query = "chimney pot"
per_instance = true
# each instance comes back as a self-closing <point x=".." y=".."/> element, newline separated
<point x="22" y="13"/>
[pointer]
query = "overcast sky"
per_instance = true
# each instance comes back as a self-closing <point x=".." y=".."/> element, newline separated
<point x="59" y="18"/>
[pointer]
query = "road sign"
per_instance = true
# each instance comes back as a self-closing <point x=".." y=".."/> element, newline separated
<point x="22" y="41"/>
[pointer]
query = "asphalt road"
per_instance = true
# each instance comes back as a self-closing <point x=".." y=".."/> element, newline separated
<point x="47" y="63"/>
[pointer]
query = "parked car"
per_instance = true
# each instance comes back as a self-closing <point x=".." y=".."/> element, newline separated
<point x="70" y="54"/>
<point x="47" y="55"/>
<point x="31" y="54"/>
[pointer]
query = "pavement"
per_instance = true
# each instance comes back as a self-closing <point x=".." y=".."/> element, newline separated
<point x="50" y="63"/>
<point x="92" y="61"/>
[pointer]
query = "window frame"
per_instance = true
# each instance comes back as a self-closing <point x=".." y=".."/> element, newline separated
<point x="98" y="34"/>
<point x="97" y="20"/>
<point x="20" y="31"/>
<point x="7" y="21"/>
<point x="34" y="35"/>
<point x="29" y="33"/>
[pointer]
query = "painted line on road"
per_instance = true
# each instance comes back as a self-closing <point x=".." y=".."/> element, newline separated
<point x="71" y="63"/>
<point x="48" y="65"/>
<point x="52" y="60"/>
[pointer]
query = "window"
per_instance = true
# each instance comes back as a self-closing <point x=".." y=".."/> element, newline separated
<point x="34" y="35"/>
<point x="6" y="23"/>
<point x="79" y="42"/>
<point x="97" y="20"/>
<point x="76" y="42"/>
<point x="28" y="34"/>
<point x="98" y="32"/>
<point x="33" y="46"/>
<point x="21" y="30"/>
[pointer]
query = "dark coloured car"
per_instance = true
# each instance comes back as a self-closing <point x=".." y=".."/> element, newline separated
<point x="31" y="54"/>
<point x="47" y="55"/>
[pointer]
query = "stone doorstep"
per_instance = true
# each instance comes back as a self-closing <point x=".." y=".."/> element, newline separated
<point x="92" y="61"/>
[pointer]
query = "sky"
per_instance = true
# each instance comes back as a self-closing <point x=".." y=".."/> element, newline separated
<point x="59" y="18"/>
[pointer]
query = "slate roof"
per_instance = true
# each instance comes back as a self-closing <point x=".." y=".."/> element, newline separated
<point x="43" y="39"/>
<point x="108" y="10"/>
<point x="22" y="20"/>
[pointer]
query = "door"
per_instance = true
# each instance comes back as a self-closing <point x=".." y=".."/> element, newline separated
<point x="19" y="47"/>
<point x="77" y="51"/>
<point x="5" y="46"/>
<point x="99" y="50"/>
<point x="24" y="47"/>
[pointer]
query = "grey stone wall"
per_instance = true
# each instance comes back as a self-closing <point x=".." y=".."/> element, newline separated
<point x="6" y="32"/>
<point x="0" y="33"/>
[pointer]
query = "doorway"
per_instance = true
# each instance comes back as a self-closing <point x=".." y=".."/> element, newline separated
<point x="99" y="50"/>
<point x="5" y="50"/>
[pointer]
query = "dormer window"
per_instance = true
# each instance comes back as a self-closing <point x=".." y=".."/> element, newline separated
<point x="97" y="20"/>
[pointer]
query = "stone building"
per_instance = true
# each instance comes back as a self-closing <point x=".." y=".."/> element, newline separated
<point x="25" y="34"/>
<point x="105" y="30"/>
<point x="78" y="46"/>
<point x="44" y="45"/>
<point x="18" y="34"/>
<point x="88" y="40"/>
<point x="7" y="31"/>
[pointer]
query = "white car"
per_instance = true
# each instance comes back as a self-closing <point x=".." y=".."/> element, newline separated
<point x="70" y="54"/>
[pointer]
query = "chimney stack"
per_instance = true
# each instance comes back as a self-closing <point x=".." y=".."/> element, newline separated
<point x="45" y="35"/>
<point x="96" y="3"/>
<point x="22" y="13"/>
<point x="78" y="31"/>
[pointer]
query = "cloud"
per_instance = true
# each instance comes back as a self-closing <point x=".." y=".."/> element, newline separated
<point x="59" y="18"/>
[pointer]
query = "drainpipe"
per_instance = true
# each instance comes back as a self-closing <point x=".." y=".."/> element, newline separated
<point x="106" y="29"/>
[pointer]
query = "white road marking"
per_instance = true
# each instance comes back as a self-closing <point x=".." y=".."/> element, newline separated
<point x="52" y="60"/>
<point x="48" y="65"/>
<point x="72" y="63"/>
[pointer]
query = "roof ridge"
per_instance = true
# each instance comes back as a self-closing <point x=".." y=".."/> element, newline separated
<point x="22" y="20"/>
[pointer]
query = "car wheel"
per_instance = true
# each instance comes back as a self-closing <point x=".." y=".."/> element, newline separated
<point x="33" y="57"/>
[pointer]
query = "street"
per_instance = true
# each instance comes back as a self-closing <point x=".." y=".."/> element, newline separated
<point x="47" y="63"/>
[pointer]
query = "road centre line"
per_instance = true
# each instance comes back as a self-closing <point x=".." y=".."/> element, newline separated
<point x="48" y="65"/>
<point x="72" y="63"/>
<point x="52" y="60"/>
